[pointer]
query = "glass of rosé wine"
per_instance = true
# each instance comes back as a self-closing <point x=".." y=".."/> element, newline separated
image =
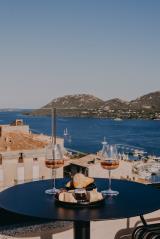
<point x="53" y="160"/>
<point x="109" y="162"/>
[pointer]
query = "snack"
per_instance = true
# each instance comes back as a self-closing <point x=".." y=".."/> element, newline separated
<point x="94" y="196"/>
<point x="61" y="196"/>
<point x="80" y="196"/>
<point x="69" y="184"/>
<point x="79" y="181"/>
<point x="67" y="197"/>
<point x="71" y="191"/>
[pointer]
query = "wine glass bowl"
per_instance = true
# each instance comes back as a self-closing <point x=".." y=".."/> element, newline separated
<point x="109" y="165"/>
<point x="109" y="162"/>
<point x="54" y="164"/>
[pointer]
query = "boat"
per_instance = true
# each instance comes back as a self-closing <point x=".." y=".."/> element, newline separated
<point x="65" y="132"/>
<point x="154" y="168"/>
<point x="144" y="174"/>
<point x="118" y="119"/>
<point x="69" y="139"/>
<point x="124" y="156"/>
<point x="138" y="152"/>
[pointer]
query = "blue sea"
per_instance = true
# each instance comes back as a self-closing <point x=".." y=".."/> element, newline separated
<point x="86" y="135"/>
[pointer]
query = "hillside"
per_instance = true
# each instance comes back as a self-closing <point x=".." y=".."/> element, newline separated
<point x="79" y="101"/>
<point x="149" y="101"/>
<point x="115" y="104"/>
<point x="72" y="105"/>
<point x="84" y="105"/>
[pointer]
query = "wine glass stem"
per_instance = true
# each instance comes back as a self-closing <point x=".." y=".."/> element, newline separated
<point x="109" y="179"/>
<point x="54" y="178"/>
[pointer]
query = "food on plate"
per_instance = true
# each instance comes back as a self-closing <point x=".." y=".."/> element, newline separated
<point x="94" y="195"/>
<point x="79" y="181"/>
<point x="80" y="196"/>
<point x="69" y="184"/>
<point x="67" y="197"/>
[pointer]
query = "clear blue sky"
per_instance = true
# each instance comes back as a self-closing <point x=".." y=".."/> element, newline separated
<point x="50" y="48"/>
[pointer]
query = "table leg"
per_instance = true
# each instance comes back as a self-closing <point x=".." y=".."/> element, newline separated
<point x="81" y="230"/>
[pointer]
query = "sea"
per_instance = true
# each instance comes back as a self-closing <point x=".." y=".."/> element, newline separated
<point x="86" y="134"/>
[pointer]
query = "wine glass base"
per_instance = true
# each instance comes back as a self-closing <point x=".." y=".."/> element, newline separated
<point x="52" y="191"/>
<point x="110" y="192"/>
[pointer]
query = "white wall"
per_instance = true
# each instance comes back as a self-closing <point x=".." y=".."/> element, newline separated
<point x="1" y="174"/>
<point x="35" y="170"/>
<point x="9" y="171"/>
<point x="20" y="173"/>
<point x="28" y="169"/>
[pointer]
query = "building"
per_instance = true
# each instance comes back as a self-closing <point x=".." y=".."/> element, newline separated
<point x="15" y="126"/>
<point x="22" y="154"/>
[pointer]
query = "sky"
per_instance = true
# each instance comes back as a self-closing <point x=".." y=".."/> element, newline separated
<point x="52" y="48"/>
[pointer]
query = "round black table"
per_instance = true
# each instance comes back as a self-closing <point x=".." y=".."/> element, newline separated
<point x="29" y="199"/>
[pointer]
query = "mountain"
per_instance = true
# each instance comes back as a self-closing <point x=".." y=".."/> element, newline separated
<point x="78" y="105"/>
<point x="150" y="101"/>
<point x="80" y="101"/>
<point x="85" y="105"/>
<point x="115" y="104"/>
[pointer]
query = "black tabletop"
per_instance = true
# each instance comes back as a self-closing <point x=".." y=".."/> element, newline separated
<point x="29" y="199"/>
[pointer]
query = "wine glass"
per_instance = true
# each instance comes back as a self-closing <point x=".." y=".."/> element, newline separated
<point x="110" y="162"/>
<point x="53" y="160"/>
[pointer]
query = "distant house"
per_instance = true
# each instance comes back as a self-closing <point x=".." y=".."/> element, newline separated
<point x="15" y="126"/>
<point x="17" y="122"/>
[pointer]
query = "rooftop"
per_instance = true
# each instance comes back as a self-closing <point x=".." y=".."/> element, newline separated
<point x="86" y="161"/>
